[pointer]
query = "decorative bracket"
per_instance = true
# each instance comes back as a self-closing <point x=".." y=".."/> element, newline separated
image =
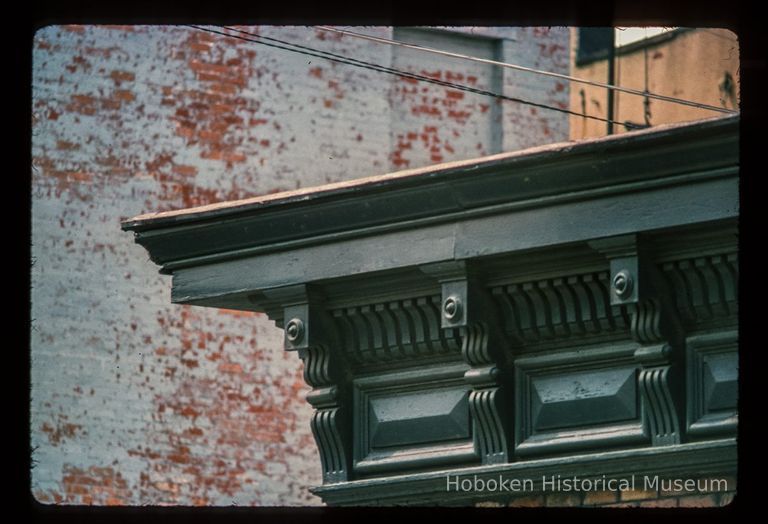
<point x="637" y="284"/>
<point x="466" y="305"/>
<point x="309" y="330"/>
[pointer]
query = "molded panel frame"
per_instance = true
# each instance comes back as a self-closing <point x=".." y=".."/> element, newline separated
<point x="700" y="350"/>
<point x="571" y="437"/>
<point x="367" y="460"/>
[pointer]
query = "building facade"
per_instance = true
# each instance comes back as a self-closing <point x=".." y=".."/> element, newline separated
<point x="570" y="338"/>
<point x="134" y="400"/>
<point x="700" y="65"/>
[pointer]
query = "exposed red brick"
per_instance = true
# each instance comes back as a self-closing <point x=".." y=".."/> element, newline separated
<point x="82" y="104"/>
<point x="698" y="501"/>
<point x="637" y="494"/>
<point x="208" y="67"/>
<point x="531" y="501"/>
<point x="65" y="145"/>
<point x="658" y="503"/>
<point x="119" y="77"/>
<point x="600" y="497"/>
<point x="201" y="47"/>
<point x="188" y="411"/>
<point x="61" y="430"/>
<point x="114" y="27"/>
<point x="124" y="95"/>
<point x="184" y="170"/>
<point x="425" y="110"/>
<point x="230" y="368"/>
<point x="95" y="485"/>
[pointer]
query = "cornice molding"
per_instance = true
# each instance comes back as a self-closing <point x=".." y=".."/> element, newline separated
<point x="537" y="177"/>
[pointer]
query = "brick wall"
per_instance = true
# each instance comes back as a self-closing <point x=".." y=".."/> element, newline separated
<point x="138" y="401"/>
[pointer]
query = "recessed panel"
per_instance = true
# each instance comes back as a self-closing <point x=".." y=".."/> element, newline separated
<point x="415" y="418"/>
<point x="713" y="383"/>
<point x="721" y="375"/>
<point x="577" y="399"/>
<point x="585" y="398"/>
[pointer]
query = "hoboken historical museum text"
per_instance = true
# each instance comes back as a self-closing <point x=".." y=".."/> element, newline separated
<point x="559" y="483"/>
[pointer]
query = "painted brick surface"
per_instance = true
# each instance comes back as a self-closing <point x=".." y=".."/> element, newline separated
<point x="138" y="401"/>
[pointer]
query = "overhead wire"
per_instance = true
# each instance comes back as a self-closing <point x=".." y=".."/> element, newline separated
<point x="297" y="48"/>
<point x="527" y="69"/>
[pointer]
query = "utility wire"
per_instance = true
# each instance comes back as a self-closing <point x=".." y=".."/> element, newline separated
<point x="376" y="67"/>
<point x="527" y="69"/>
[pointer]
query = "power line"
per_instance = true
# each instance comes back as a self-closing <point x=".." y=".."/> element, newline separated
<point x="407" y="74"/>
<point x="527" y="70"/>
<point x="397" y="72"/>
<point x="376" y="67"/>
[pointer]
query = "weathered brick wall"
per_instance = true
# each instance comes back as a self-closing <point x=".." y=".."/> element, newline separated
<point x="135" y="400"/>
